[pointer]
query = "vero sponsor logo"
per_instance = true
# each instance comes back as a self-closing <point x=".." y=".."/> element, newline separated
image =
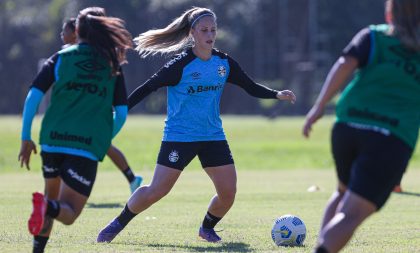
<point x="176" y="58"/>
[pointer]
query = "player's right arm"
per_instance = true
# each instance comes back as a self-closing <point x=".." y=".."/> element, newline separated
<point x="169" y="75"/>
<point x="355" y="55"/>
<point x="39" y="87"/>
<point x="338" y="75"/>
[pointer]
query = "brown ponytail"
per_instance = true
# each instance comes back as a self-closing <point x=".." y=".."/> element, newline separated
<point x="107" y="35"/>
<point x="406" y="21"/>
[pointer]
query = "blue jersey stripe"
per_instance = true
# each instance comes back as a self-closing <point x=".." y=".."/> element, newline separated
<point x="69" y="151"/>
<point x="56" y="67"/>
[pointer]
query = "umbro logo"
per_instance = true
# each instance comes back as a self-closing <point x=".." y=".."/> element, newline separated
<point x="90" y="65"/>
<point x="196" y="75"/>
<point x="403" y="52"/>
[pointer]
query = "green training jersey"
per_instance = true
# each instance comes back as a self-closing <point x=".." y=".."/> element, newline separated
<point x="80" y="112"/>
<point x="386" y="92"/>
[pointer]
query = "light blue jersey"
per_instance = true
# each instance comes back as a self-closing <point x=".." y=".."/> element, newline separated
<point x="193" y="104"/>
<point x="194" y="88"/>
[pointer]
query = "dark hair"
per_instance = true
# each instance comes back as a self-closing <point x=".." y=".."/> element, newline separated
<point x="107" y="35"/>
<point x="70" y="23"/>
<point x="406" y="21"/>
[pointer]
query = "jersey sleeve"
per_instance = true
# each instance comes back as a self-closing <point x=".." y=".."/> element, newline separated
<point x="46" y="77"/>
<point x="33" y="99"/>
<point x="359" y="47"/>
<point x="169" y="75"/>
<point x="238" y="77"/>
<point x="120" y="92"/>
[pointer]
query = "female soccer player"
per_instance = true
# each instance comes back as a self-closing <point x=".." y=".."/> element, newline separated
<point x="69" y="37"/>
<point x="195" y="80"/>
<point x="378" y="119"/>
<point x="78" y="125"/>
<point x="68" y="32"/>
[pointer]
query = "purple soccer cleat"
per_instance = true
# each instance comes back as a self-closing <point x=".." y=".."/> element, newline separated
<point x="108" y="233"/>
<point x="209" y="235"/>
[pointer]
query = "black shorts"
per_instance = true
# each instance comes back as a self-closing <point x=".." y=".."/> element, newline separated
<point x="78" y="172"/>
<point x="369" y="163"/>
<point x="178" y="155"/>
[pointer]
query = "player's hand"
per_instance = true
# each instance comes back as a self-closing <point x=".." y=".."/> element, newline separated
<point x="286" y="95"/>
<point x="313" y="115"/>
<point x="26" y="149"/>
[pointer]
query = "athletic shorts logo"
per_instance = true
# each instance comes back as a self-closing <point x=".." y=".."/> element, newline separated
<point x="221" y="70"/>
<point x="79" y="178"/>
<point x="173" y="156"/>
<point x="49" y="169"/>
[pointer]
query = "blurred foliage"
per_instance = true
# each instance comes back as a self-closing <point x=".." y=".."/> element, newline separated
<point x="287" y="43"/>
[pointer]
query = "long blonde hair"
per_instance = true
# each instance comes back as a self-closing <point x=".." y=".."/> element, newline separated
<point x="174" y="37"/>
<point x="406" y="21"/>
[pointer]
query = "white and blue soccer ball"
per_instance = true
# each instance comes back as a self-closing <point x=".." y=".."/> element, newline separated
<point x="288" y="230"/>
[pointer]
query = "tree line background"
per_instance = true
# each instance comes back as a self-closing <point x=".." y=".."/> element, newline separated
<point x="284" y="44"/>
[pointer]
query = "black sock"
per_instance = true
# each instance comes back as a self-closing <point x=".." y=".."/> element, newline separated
<point x="128" y="173"/>
<point x="126" y="216"/>
<point x="210" y="220"/>
<point x="320" y="249"/>
<point x="53" y="208"/>
<point x="39" y="244"/>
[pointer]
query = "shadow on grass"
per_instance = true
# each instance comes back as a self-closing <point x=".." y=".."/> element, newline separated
<point x="415" y="194"/>
<point x="104" y="205"/>
<point x="217" y="247"/>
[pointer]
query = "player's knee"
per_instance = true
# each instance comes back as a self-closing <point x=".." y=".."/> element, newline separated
<point x="354" y="216"/>
<point x="228" y="196"/>
<point x="69" y="221"/>
<point x="156" y="194"/>
<point x="71" y="214"/>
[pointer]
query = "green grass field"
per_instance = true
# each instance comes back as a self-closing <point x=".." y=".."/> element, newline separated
<point x="275" y="167"/>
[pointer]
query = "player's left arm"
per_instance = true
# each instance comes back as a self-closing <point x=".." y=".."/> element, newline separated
<point x="238" y="77"/>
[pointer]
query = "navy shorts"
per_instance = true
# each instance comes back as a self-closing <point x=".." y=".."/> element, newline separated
<point x="178" y="155"/>
<point x="369" y="163"/>
<point x="78" y="172"/>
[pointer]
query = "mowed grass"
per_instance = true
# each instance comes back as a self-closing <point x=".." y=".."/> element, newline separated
<point x="275" y="167"/>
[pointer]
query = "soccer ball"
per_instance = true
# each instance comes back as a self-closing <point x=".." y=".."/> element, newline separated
<point x="288" y="230"/>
